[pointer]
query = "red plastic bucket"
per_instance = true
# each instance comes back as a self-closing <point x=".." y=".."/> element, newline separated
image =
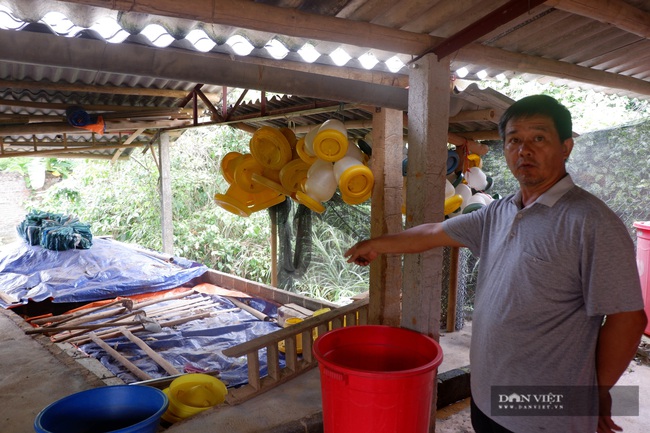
<point x="643" y="263"/>
<point x="377" y="379"/>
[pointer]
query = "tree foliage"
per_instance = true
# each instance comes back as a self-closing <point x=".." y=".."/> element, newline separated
<point x="121" y="200"/>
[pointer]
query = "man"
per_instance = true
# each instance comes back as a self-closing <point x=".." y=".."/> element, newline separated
<point x="555" y="261"/>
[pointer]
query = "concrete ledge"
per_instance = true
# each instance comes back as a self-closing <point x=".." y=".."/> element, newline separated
<point x="453" y="386"/>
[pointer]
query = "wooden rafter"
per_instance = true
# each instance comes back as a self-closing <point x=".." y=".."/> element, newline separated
<point x="612" y="12"/>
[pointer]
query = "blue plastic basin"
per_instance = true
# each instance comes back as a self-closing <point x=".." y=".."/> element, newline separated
<point x="109" y="409"/>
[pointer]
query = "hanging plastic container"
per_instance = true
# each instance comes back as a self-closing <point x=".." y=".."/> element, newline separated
<point x="476" y="178"/>
<point x="271" y="184"/>
<point x="290" y="136"/>
<point x="302" y="152"/>
<point x="377" y="379"/>
<point x="355" y="180"/>
<point x="331" y="142"/>
<point x="474" y="160"/>
<point x="228" y="164"/>
<point x="293" y="175"/>
<point x="321" y="183"/>
<point x="309" y="141"/>
<point x="274" y="175"/>
<point x="265" y="200"/>
<point x="243" y="203"/>
<point x="270" y="148"/>
<point x="465" y="192"/>
<point x="243" y="172"/>
<point x="355" y="152"/>
<point x="452" y="161"/>
<point x="452" y="204"/>
<point x="312" y="204"/>
<point x="643" y="263"/>
<point x="235" y="201"/>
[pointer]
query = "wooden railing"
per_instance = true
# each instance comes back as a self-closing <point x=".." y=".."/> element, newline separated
<point x="296" y="363"/>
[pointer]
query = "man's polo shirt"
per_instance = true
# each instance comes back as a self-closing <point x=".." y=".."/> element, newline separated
<point x="548" y="273"/>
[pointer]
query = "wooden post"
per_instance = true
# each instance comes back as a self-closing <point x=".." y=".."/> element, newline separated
<point x="165" y="188"/>
<point x="453" y="290"/>
<point x="428" y="120"/>
<point x="427" y="169"/>
<point x="274" y="247"/>
<point x="386" y="214"/>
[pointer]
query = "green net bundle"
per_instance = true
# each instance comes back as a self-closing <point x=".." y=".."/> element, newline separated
<point x="54" y="231"/>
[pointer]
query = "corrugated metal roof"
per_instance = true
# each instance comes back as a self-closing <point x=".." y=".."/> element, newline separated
<point x="154" y="57"/>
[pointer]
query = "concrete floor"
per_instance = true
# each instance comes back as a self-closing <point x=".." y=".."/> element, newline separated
<point x="36" y="373"/>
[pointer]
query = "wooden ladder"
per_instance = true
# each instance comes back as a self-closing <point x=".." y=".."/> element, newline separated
<point x="352" y="314"/>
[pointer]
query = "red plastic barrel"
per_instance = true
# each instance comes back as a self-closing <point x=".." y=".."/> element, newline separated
<point x="643" y="263"/>
<point x="377" y="379"/>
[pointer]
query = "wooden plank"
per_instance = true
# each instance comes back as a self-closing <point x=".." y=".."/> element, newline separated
<point x="119" y="357"/>
<point x="165" y="189"/>
<point x="273" y="361"/>
<point x="253" y="362"/>
<point x="149" y="351"/>
<point x="307" y="345"/>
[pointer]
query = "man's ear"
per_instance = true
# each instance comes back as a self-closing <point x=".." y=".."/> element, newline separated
<point x="567" y="145"/>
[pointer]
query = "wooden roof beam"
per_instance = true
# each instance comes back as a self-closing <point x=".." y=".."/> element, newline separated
<point x="613" y="12"/>
<point x="501" y="59"/>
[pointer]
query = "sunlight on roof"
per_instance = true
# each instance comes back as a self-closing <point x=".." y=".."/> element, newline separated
<point x="157" y="35"/>
<point x="200" y="40"/>
<point x="7" y="20"/>
<point x="110" y="30"/>
<point x="462" y="72"/>
<point x="60" y="23"/>
<point x="368" y="60"/>
<point x="276" y="49"/>
<point x="240" y="45"/>
<point x="482" y="74"/>
<point x="394" y="64"/>
<point x="340" y="57"/>
<point x="308" y="53"/>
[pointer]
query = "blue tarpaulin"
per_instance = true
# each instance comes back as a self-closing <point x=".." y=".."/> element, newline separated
<point x="196" y="346"/>
<point x="112" y="269"/>
<point x="107" y="270"/>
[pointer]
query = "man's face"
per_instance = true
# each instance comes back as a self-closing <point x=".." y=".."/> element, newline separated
<point x="534" y="153"/>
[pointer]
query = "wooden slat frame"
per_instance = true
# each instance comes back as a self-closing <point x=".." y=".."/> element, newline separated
<point x="295" y="364"/>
